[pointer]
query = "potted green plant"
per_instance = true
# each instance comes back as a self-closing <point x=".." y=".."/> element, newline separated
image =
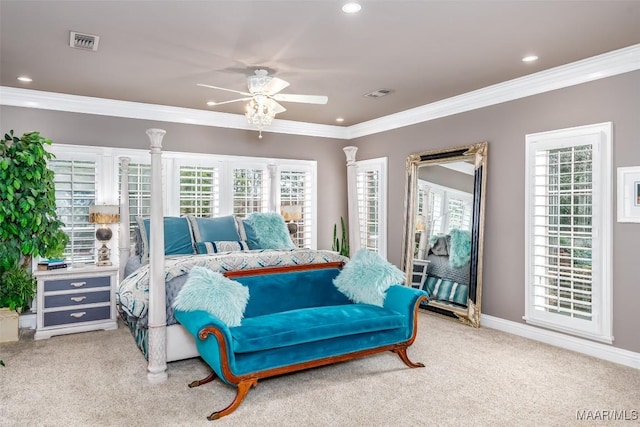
<point x="29" y="225"/>
<point x="340" y="245"/>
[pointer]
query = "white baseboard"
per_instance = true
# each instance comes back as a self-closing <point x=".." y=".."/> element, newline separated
<point x="27" y="321"/>
<point x="580" y="345"/>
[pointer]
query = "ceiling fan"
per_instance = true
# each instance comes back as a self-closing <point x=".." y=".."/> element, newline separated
<point x="263" y="95"/>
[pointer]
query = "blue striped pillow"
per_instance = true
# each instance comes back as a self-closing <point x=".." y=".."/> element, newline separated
<point x="221" y="246"/>
<point x="440" y="289"/>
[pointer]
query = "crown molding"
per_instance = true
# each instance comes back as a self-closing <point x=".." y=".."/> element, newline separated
<point x="598" y="67"/>
<point x="590" y="69"/>
<point x="19" y="97"/>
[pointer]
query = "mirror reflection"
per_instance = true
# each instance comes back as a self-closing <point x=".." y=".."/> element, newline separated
<point x="444" y="228"/>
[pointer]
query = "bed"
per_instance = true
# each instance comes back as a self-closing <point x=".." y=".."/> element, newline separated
<point x="444" y="272"/>
<point x="150" y="279"/>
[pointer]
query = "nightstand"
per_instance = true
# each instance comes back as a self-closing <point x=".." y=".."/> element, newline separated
<point x="73" y="300"/>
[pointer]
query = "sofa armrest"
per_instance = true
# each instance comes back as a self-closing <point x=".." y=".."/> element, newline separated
<point x="402" y="298"/>
<point x="221" y="360"/>
<point x="405" y="300"/>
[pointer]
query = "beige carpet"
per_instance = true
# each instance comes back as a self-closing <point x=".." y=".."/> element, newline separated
<point x="473" y="377"/>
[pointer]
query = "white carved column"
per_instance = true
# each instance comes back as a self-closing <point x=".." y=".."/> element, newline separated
<point x="157" y="340"/>
<point x="352" y="196"/>
<point x="124" y="240"/>
<point x="274" y="191"/>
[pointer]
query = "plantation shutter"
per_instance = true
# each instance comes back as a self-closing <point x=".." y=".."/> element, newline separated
<point x="563" y="231"/>
<point x="295" y="190"/>
<point x="75" y="184"/>
<point x="249" y="191"/>
<point x="371" y="190"/>
<point x="199" y="191"/>
<point x="139" y="196"/>
<point x="368" y="188"/>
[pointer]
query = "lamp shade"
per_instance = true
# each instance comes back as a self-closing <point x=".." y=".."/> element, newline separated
<point x="104" y="214"/>
<point x="291" y="212"/>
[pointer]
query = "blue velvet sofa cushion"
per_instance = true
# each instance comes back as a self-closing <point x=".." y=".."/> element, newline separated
<point x="274" y="293"/>
<point x="312" y="324"/>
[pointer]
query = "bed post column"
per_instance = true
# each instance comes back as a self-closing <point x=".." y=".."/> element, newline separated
<point x="124" y="240"/>
<point x="273" y="193"/>
<point x="352" y="195"/>
<point x="157" y="340"/>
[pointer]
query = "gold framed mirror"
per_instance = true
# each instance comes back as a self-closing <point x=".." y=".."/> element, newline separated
<point x="444" y="228"/>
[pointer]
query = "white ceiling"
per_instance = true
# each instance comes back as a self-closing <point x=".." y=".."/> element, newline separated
<point x="156" y="51"/>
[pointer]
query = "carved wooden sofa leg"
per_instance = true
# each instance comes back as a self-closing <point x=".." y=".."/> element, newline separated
<point x="402" y="352"/>
<point x="243" y="389"/>
<point x="208" y="379"/>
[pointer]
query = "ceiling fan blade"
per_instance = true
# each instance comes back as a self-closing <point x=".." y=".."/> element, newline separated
<point x="307" y="99"/>
<point x="222" y="88"/>
<point x="274" y="86"/>
<point x="277" y="108"/>
<point x="228" y="102"/>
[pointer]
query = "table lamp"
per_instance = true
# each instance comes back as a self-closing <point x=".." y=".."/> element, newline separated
<point x="291" y="213"/>
<point x="103" y="215"/>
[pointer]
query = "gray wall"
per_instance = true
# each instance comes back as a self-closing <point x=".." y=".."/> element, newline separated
<point x="615" y="99"/>
<point x="87" y="129"/>
<point x="447" y="177"/>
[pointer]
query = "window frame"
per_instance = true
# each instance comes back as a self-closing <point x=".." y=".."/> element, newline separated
<point x="599" y="328"/>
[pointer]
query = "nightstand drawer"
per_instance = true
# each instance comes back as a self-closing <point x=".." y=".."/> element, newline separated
<point x="77" y="315"/>
<point x="77" y="283"/>
<point x="76" y="299"/>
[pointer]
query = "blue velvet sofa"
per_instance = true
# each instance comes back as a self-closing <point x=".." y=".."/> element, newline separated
<point x="296" y="319"/>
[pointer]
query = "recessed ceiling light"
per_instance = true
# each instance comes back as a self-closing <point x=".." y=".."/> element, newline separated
<point x="530" y="58"/>
<point x="25" y="79"/>
<point x="351" y="7"/>
<point x="340" y="119"/>
<point x="211" y="103"/>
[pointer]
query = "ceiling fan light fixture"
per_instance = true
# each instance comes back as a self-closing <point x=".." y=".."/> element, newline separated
<point x="260" y="112"/>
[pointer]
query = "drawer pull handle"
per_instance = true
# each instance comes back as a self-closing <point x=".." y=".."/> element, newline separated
<point x="78" y="315"/>
<point x="78" y="299"/>
<point x="77" y="284"/>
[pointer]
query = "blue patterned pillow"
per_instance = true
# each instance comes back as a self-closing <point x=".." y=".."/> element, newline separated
<point x="270" y="229"/>
<point x="221" y="246"/>
<point x="210" y="291"/>
<point x="366" y="278"/>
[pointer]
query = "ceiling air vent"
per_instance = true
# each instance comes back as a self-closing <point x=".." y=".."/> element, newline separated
<point x="83" y="41"/>
<point x="378" y="93"/>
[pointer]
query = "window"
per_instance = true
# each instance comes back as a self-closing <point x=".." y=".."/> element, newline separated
<point x="202" y="185"/>
<point x="372" y="200"/>
<point x="249" y="191"/>
<point x="295" y="190"/>
<point x="139" y="195"/>
<point x="568" y="251"/>
<point x="199" y="191"/>
<point x="444" y="208"/>
<point x="75" y="182"/>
